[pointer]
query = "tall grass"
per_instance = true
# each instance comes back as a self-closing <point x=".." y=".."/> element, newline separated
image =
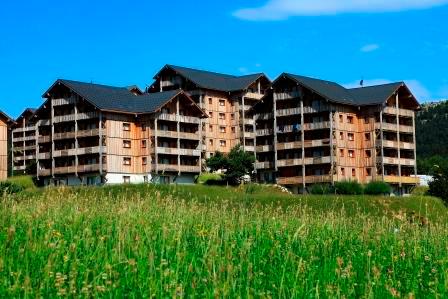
<point x="202" y="241"/>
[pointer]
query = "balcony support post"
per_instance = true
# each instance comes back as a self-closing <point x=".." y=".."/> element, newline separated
<point x="178" y="135"/>
<point x="415" y="143"/>
<point x="76" y="140"/>
<point x="243" y="122"/>
<point x="155" y="146"/>
<point x="100" y="131"/>
<point x="302" y="139"/>
<point x="275" y="96"/>
<point x="382" y="143"/>
<point x="398" y="136"/>
<point x="331" y="147"/>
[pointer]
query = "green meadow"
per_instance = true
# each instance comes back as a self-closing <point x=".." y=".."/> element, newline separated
<point x="207" y="242"/>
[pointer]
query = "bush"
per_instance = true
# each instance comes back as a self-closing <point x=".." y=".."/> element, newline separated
<point x="25" y="181"/>
<point x="348" y="188"/>
<point x="321" y="189"/>
<point x="439" y="186"/>
<point x="215" y="182"/>
<point x="377" y="188"/>
<point x="10" y="188"/>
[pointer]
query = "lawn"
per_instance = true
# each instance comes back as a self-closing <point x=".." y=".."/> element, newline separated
<point x="202" y="241"/>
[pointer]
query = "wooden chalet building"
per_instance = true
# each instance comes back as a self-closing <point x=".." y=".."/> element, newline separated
<point x="5" y="124"/>
<point x="96" y="134"/>
<point x="24" y="143"/>
<point x="225" y="98"/>
<point x="313" y="131"/>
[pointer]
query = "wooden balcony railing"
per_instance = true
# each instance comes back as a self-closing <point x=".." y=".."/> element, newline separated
<point x="403" y="179"/>
<point x="401" y="112"/>
<point x="254" y="95"/>
<point x="297" y="180"/>
<point x="264" y="165"/>
<point x="287" y="95"/>
<point x="264" y="148"/>
<point x="265" y="132"/>
<point x="66" y="101"/>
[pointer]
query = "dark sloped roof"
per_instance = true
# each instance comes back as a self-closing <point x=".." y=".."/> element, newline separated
<point x="119" y="99"/>
<point x="377" y="94"/>
<point x="334" y="92"/>
<point x="27" y="111"/>
<point x="6" y="116"/>
<point x="215" y="81"/>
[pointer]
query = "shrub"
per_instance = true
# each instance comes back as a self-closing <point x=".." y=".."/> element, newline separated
<point x="10" y="188"/>
<point x="377" y="188"/>
<point x="215" y="182"/>
<point x="321" y="189"/>
<point x="439" y="186"/>
<point x="348" y="188"/>
<point x="25" y="181"/>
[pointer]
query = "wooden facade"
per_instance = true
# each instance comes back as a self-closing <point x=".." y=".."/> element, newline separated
<point x="24" y="143"/>
<point x="5" y="123"/>
<point x="303" y="139"/>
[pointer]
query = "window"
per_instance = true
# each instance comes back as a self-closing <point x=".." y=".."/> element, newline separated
<point x="126" y="179"/>
<point x="144" y="143"/>
<point x="366" y="119"/>
<point x="369" y="171"/>
<point x="222" y="116"/>
<point x="368" y="153"/>
<point x="222" y="103"/>
<point x="210" y="128"/>
<point x="222" y="129"/>
<point x="350" y="119"/>
<point x="341" y="135"/>
<point x="341" y="152"/>
<point x="211" y="114"/>
<point x="210" y="142"/>
<point x="233" y="129"/>
<point x="353" y="172"/>
<point x="351" y="153"/>
<point x="342" y="171"/>
<point x="127" y="143"/>
<point x="341" y="118"/>
<point x="143" y="127"/>
<point x="127" y="161"/>
<point x="232" y="116"/>
<point x="351" y="136"/>
<point x="222" y="143"/>
<point x="367" y="136"/>
<point x="232" y="103"/>
<point x="210" y="101"/>
<point x="126" y="126"/>
<point x="144" y="160"/>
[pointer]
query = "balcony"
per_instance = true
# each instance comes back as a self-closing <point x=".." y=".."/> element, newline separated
<point x="403" y="179"/>
<point x="167" y="167"/>
<point x="190" y="152"/>
<point x="19" y="167"/>
<point x="180" y="118"/>
<point x="400" y="112"/>
<point x="65" y="170"/>
<point x="89" y="133"/>
<point x="64" y="153"/>
<point x="265" y="132"/>
<point x="264" y="116"/>
<point x="167" y="150"/>
<point x="91" y="150"/>
<point x="393" y="127"/>
<point x="64" y="135"/>
<point x="249" y="134"/>
<point x="190" y="136"/>
<point x="307" y="144"/>
<point x="167" y="134"/>
<point x="264" y="165"/>
<point x="72" y="117"/>
<point x="44" y="139"/>
<point x="61" y="102"/>
<point x="396" y="161"/>
<point x="317" y="160"/>
<point x="289" y="162"/>
<point x="190" y="168"/>
<point x="394" y="144"/>
<point x="287" y="95"/>
<point x="44" y="122"/>
<point x="247" y="121"/>
<point x="91" y="168"/>
<point x="26" y="138"/>
<point x="254" y="95"/>
<point x="26" y="129"/>
<point x="264" y="148"/>
<point x="43" y="156"/>
<point x="249" y="148"/>
<point x="23" y="158"/>
<point x="298" y="180"/>
<point x="288" y="112"/>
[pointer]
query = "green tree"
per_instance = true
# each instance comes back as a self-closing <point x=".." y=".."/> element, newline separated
<point x="439" y="185"/>
<point x="217" y="162"/>
<point x="236" y="164"/>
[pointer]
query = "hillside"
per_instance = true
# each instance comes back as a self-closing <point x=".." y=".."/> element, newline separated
<point x="432" y="135"/>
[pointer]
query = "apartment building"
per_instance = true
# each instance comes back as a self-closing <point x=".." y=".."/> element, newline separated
<point x="5" y="123"/>
<point x="225" y="98"/>
<point x="24" y="143"/>
<point x="313" y="131"/>
<point x="95" y="134"/>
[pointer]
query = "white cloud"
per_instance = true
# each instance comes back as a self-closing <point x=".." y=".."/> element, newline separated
<point x="416" y="87"/>
<point x="283" y="9"/>
<point x="370" y="48"/>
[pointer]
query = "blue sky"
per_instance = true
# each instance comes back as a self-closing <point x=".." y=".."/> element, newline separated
<point x="127" y="42"/>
